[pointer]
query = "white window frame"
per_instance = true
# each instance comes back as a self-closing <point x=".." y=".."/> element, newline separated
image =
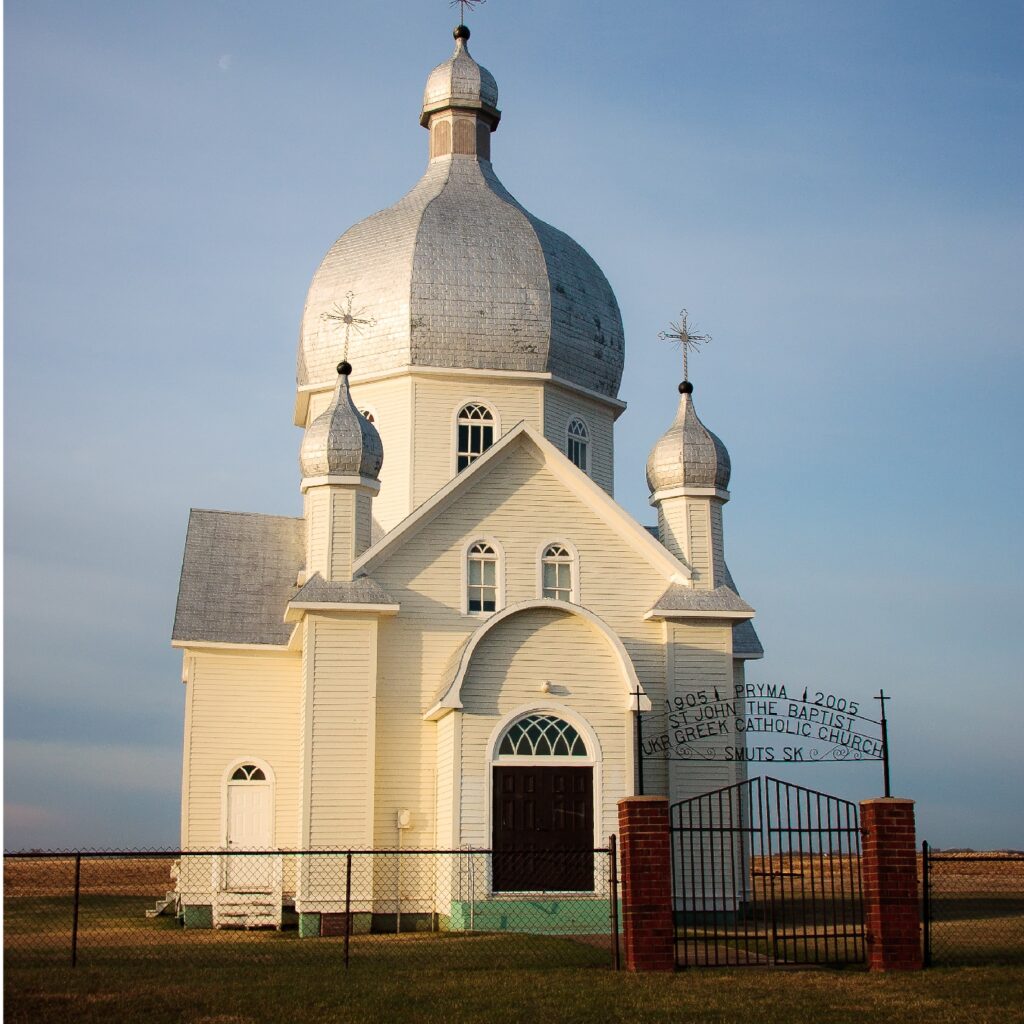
<point x="588" y="441"/>
<point x="574" y="569"/>
<point x="456" y="414"/>
<point x="499" y="576"/>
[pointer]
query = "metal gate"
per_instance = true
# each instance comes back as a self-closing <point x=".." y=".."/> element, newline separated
<point x="766" y="872"/>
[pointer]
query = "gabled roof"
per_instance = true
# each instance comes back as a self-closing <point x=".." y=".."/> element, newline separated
<point x="573" y="478"/>
<point x="237" y="574"/>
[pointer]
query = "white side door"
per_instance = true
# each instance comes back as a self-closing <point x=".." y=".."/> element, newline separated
<point x="249" y="828"/>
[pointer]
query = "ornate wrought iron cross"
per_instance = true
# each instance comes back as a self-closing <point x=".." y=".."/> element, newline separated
<point x="686" y="337"/>
<point x="352" y="319"/>
<point x="462" y="5"/>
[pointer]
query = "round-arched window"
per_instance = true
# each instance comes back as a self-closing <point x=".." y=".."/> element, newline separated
<point x="248" y="773"/>
<point x="577" y="443"/>
<point x="475" y="434"/>
<point x="542" y="735"/>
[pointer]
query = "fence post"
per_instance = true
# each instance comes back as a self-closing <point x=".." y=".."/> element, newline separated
<point x="926" y="903"/>
<point x="613" y="886"/>
<point x="74" y="916"/>
<point x="348" y="904"/>
<point x="892" y="915"/>
<point x="648" y="927"/>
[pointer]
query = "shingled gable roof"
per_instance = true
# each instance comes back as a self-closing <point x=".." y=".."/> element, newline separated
<point x="574" y="479"/>
<point x="237" y="575"/>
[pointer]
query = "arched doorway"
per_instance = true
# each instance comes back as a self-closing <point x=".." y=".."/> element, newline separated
<point x="543" y="807"/>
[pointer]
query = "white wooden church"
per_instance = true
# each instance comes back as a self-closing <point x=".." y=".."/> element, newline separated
<point x="448" y="648"/>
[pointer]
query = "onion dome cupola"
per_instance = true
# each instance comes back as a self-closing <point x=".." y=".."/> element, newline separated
<point x="688" y="454"/>
<point x="341" y="442"/>
<point x="457" y="274"/>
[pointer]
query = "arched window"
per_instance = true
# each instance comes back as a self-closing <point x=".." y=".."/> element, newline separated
<point x="542" y="735"/>
<point x="481" y="578"/>
<point x="248" y="773"/>
<point x="577" y="443"/>
<point x="556" y="573"/>
<point x="368" y="415"/>
<point x="475" y="434"/>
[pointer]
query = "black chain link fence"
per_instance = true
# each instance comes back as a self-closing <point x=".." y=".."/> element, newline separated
<point x="447" y="908"/>
<point x="973" y="907"/>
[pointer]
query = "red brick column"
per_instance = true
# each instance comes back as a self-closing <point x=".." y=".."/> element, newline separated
<point x="646" y="884"/>
<point x="892" y="916"/>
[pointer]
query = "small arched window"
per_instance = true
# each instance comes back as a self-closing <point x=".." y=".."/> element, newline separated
<point x="556" y="573"/>
<point x="542" y="736"/>
<point x="481" y="578"/>
<point x="475" y="434"/>
<point x="368" y="415"/>
<point x="248" y="773"/>
<point x="577" y="443"/>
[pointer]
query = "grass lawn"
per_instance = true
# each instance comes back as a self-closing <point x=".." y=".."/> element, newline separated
<point x="378" y="991"/>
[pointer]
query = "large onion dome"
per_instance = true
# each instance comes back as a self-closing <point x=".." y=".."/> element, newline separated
<point x="341" y="441"/>
<point x="688" y="454"/>
<point x="458" y="274"/>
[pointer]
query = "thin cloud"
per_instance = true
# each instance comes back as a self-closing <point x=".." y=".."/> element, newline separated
<point x="224" y="61"/>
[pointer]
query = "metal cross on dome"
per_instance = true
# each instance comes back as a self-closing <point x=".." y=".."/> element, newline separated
<point x="462" y="5"/>
<point x="350" y="318"/>
<point x="685" y="337"/>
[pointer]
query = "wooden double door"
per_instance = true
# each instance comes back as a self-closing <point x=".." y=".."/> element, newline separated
<point x="543" y="820"/>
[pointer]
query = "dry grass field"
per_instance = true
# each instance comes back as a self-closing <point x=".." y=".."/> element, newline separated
<point x="134" y="968"/>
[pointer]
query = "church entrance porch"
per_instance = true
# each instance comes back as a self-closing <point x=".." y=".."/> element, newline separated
<point x="543" y="821"/>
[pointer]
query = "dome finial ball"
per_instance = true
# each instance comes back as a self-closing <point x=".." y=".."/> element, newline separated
<point x="344" y="368"/>
<point x="460" y="32"/>
<point x="686" y="388"/>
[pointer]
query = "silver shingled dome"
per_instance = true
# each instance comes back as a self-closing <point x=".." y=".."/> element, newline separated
<point x="341" y="441"/>
<point x="458" y="274"/>
<point x="688" y="454"/>
<point x="460" y="82"/>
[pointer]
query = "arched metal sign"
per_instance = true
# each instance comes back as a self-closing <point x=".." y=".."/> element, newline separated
<point x="766" y="723"/>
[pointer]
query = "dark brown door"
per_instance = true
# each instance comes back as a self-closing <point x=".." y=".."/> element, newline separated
<point x="543" y="829"/>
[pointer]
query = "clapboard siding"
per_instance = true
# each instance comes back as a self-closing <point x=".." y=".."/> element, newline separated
<point x="436" y="404"/>
<point x="722" y="577"/>
<point x="316" y="509"/>
<point x="425" y="575"/>
<point x="241" y="706"/>
<point x="701" y="659"/>
<point x="340" y="706"/>
<point x="342" y="533"/>
<point x="390" y="401"/>
<point x="560" y="405"/>
<point x="700" y="543"/>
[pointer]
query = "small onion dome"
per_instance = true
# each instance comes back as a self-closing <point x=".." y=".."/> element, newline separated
<point x="341" y="441"/>
<point x="460" y="82"/>
<point x="688" y="454"/>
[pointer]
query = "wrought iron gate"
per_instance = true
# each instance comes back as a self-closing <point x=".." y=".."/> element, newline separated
<point x="766" y="872"/>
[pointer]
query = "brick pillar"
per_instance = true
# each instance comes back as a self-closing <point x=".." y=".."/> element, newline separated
<point x="646" y="884"/>
<point x="892" y="916"/>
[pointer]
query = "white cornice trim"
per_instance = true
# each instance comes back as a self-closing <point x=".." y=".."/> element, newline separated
<point x="674" y="613"/>
<point x="305" y="391"/>
<point x="359" y="483"/>
<point x="689" y="492"/>
<point x="214" y="645"/>
<point x="296" y="609"/>
<point x="451" y="699"/>
<point x="674" y="570"/>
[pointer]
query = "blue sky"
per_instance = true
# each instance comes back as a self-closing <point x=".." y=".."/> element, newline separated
<point x="832" y="189"/>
